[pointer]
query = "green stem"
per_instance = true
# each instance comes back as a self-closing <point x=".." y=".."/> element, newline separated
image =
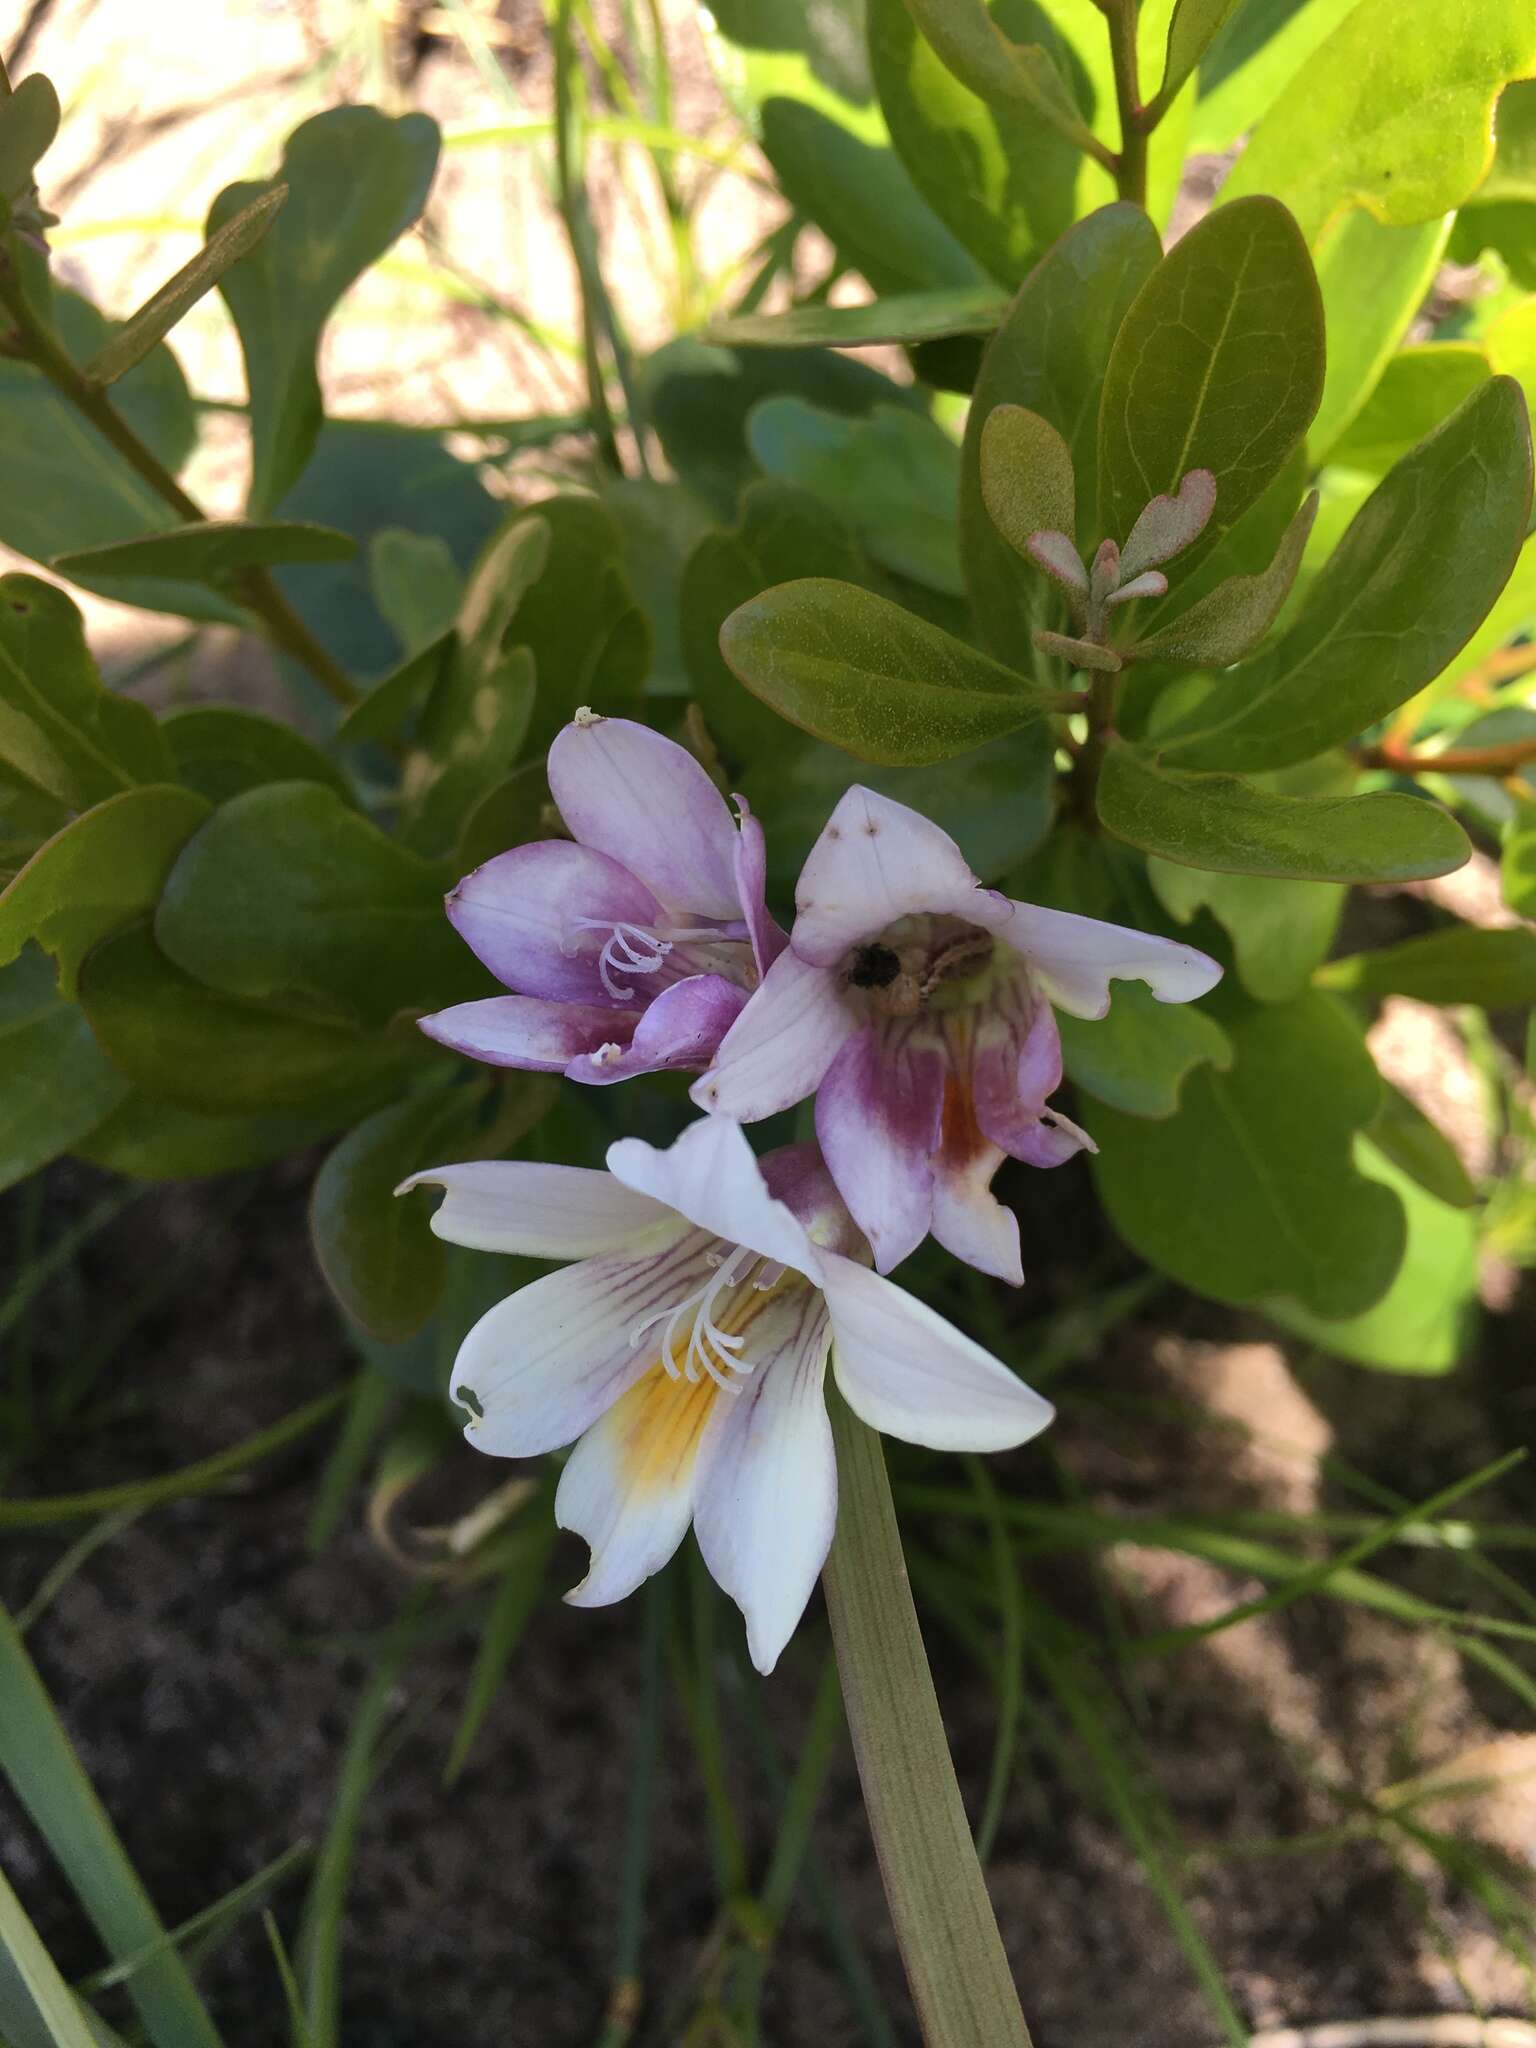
<point x="1131" y="162"/>
<point x="256" y="588"/>
<point x="958" y="1972"/>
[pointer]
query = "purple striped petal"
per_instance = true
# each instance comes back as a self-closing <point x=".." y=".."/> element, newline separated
<point x="878" y="1118"/>
<point x="521" y="913"/>
<point x="628" y="792"/>
<point x="521" y="1031"/>
<point x="682" y="1028"/>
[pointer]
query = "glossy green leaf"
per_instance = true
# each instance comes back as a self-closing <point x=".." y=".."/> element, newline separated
<point x="903" y="316"/>
<point x="416" y="584"/>
<point x="217" y="1054"/>
<point x="377" y="1251"/>
<point x="356" y="180"/>
<point x="784" y="534"/>
<point x="1004" y="182"/>
<point x="1402" y="1133"/>
<point x="39" y="1759"/>
<point x="1194" y="27"/>
<point x="1426" y="1322"/>
<point x="1374" y="279"/>
<point x="1513" y="173"/>
<point x="54" y="1083"/>
<point x="1253" y="60"/>
<point x="859" y="671"/>
<point x="892" y="478"/>
<point x="1231" y="620"/>
<point x="393" y="702"/>
<point x="1393" y="112"/>
<point x="1218" y="365"/>
<point x="1137" y="1057"/>
<point x="1511" y="345"/>
<point x="1279" y="930"/>
<point x="505" y="570"/>
<point x="61" y="731"/>
<point x="1026" y="476"/>
<point x="63" y="488"/>
<point x="27" y="818"/>
<point x="1049" y="355"/>
<point x="29" y="121"/>
<point x="1233" y="826"/>
<point x="799" y="77"/>
<point x="159" y="313"/>
<point x="1420" y="388"/>
<point x="221" y="751"/>
<point x="213" y="551"/>
<point x="104" y="869"/>
<point x="1462" y="964"/>
<point x="1020" y="78"/>
<point x="471" y="736"/>
<point x="148" y="1138"/>
<point x="1250" y="1190"/>
<point x="1419" y="567"/>
<point x="287" y="894"/>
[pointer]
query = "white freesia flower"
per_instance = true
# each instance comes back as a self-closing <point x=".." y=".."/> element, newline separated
<point x="686" y="1349"/>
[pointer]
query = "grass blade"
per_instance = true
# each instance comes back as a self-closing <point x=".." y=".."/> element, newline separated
<point x="511" y="1610"/>
<point x="37" y="2008"/>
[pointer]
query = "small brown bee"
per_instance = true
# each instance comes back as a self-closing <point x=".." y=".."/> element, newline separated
<point x="874" y="966"/>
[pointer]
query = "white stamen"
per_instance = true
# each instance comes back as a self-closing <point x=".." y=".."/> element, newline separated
<point x="629" y="948"/>
<point x="606" y="1054"/>
<point x="710" y="1349"/>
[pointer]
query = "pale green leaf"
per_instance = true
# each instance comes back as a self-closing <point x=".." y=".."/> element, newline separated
<point x="1462" y="964"/>
<point x="906" y="316"/>
<point x="1374" y="279"/>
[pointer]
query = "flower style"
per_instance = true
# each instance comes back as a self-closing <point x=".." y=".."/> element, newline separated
<point x="687" y="1348"/>
<point x="916" y="1006"/>
<point x="630" y="947"/>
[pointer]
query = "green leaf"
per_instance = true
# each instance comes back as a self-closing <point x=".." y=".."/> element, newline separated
<point x="892" y="477"/>
<point x="509" y="814"/>
<point x="471" y="735"/>
<point x="1420" y="388"/>
<point x="1393" y="112"/>
<point x="377" y="1252"/>
<point x="287" y="894"/>
<point x="507" y="568"/>
<point x="1419" y="567"/>
<point x="213" y="551"/>
<point x="1374" y="280"/>
<point x="1462" y="964"/>
<point x="148" y="1138"/>
<point x="29" y="120"/>
<point x="179" y="294"/>
<point x="416" y="585"/>
<point x="1426" y="1321"/>
<point x="217" y="1054"/>
<point x="1518" y="867"/>
<point x="855" y="669"/>
<point x="60" y="731"/>
<point x="104" y="869"/>
<point x="1231" y="620"/>
<point x="37" y="2007"/>
<point x="1252" y="62"/>
<point x="395" y="698"/>
<point x="1218" y="365"/>
<point x="1049" y="355"/>
<point x="56" y="1085"/>
<point x="1279" y="930"/>
<point x="1136" y="1057"/>
<point x="1250" y="1191"/>
<point x="63" y="488"/>
<point x="898" y="316"/>
<point x="356" y="181"/>
<point x="1006" y="186"/>
<point x="1233" y="826"/>
<point x="1194" y="27"/>
<point x="1026" y="476"/>
<point x="1402" y="1133"/>
<point x="45" y="1773"/>
<point x="1019" y="78"/>
<point x="1511" y="345"/>
<point x="221" y="751"/>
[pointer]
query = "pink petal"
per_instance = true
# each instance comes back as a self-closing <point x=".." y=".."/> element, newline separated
<point x="971" y="1222"/>
<point x="877" y="1119"/>
<point x="519" y="914"/>
<point x="877" y="861"/>
<point x="768" y="938"/>
<point x="638" y="797"/>
<point x="776" y="1052"/>
<point x="1074" y="959"/>
<point x="521" y="1031"/>
<point x="1169" y="524"/>
<point x="797" y="1176"/>
<point x="683" y="1027"/>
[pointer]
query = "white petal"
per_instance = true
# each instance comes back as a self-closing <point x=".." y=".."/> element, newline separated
<point x="538" y="1211"/>
<point x="711" y="1175"/>
<point x="876" y="861"/>
<point x="646" y="802"/>
<point x="767" y="1491"/>
<point x="1074" y="959"/>
<point x="545" y="1363"/>
<point x="781" y="1045"/>
<point x="905" y="1371"/>
<point x="629" y="1485"/>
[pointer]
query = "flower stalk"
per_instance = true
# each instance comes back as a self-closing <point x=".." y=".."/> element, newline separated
<point x="956" y="1966"/>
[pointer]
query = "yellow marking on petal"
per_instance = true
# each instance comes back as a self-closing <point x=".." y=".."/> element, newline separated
<point x="657" y="1426"/>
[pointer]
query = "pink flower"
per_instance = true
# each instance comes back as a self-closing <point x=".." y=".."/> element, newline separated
<point x="916" y="1006"/>
<point x="631" y="946"/>
<point x="685" y="1353"/>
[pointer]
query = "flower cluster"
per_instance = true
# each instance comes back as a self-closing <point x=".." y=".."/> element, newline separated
<point x="684" y="1351"/>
